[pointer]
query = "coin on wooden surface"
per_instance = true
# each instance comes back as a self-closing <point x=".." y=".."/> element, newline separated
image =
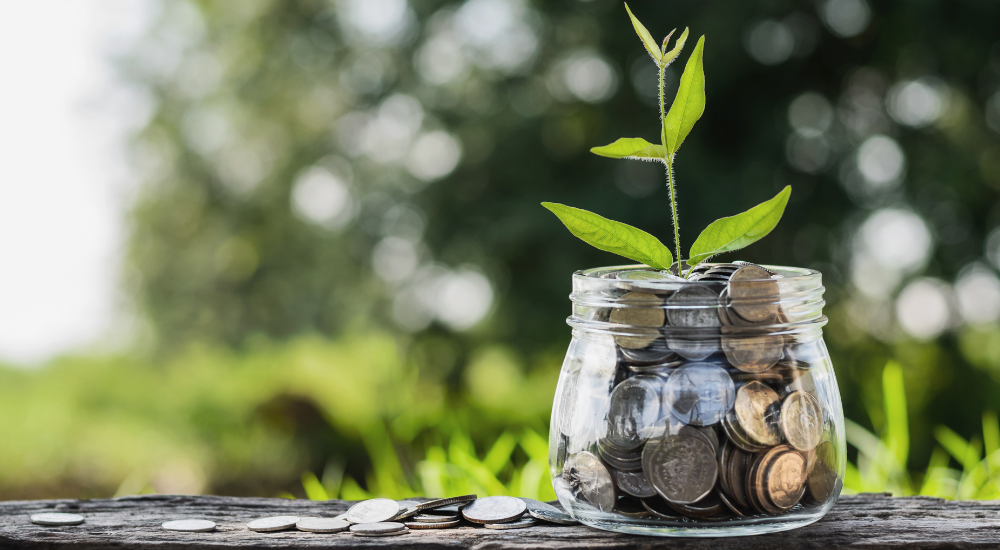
<point x="753" y="294"/>
<point x="643" y="314"/>
<point x="693" y="306"/>
<point x="322" y="525"/>
<point x="755" y="409"/>
<point x="634" y="410"/>
<point x="434" y="518"/>
<point x="682" y="469"/>
<point x="495" y="509"/>
<point x="634" y="483"/>
<point x="433" y="525"/>
<point x="802" y="420"/>
<point x="592" y="479"/>
<point x="55" y="519"/>
<point x="554" y="515"/>
<point x="379" y="529"/>
<point x="189" y="525"/>
<point x="375" y="510"/>
<point x="520" y="523"/>
<point x="699" y="393"/>
<point x="442" y="502"/>
<point x="274" y="523"/>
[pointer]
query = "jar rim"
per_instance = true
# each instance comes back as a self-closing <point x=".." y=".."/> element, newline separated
<point x="788" y="274"/>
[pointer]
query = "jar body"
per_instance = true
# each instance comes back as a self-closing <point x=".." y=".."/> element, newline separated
<point x="697" y="408"/>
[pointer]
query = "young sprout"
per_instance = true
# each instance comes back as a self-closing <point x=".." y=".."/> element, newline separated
<point x="723" y="235"/>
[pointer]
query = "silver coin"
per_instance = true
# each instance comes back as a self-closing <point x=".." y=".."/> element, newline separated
<point x="495" y="509"/>
<point x="693" y="306"/>
<point x="274" y="523"/>
<point x="433" y="525"/>
<point x="433" y="518"/>
<point x="683" y="469"/>
<point x="432" y="504"/>
<point x="516" y="524"/>
<point x="343" y="517"/>
<point x="635" y="408"/>
<point x="634" y="483"/>
<point x="699" y="393"/>
<point x="322" y="525"/>
<point x="591" y="480"/>
<point x="407" y="512"/>
<point x="654" y="354"/>
<point x="56" y="519"/>
<point x="373" y="511"/>
<point x="402" y="531"/>
<point x="693" y="346"/>
<point x="189" y="525"/>
<point x="377" y="528"/>
<point x="553" y="516"/>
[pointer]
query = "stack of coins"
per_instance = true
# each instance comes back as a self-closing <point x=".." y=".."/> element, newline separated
<point x="711" y="410"/>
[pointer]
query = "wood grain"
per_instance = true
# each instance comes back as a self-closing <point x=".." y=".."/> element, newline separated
<point x="859" y="521"/>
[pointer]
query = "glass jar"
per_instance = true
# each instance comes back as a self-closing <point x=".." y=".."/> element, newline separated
<point x="705" y="406"/>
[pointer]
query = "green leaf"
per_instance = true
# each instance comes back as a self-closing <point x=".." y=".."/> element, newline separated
<point x="615" y="237"/>
<point x="668" y="57"/>
<point x="647" y="39"/>
<point x="736" y="232"/>
<point x="689" y="104"/>
<point x="631" y="148"/>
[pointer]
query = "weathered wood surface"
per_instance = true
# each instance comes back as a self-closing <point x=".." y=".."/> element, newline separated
<point x="860" y="521"/>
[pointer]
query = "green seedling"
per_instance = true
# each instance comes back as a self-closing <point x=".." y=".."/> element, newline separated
<point x="724" y="235"/>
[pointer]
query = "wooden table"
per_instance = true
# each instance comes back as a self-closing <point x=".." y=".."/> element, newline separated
<point x="859" y="521"/>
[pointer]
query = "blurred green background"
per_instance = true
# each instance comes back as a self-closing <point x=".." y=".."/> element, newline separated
<point x="346" y="285"/>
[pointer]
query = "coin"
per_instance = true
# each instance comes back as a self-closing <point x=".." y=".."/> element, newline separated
<point x="496" y="509"/>
<point x="729" y="504"/>
<point x="406" y="511"/>
<point x="735" y="433"/>
<point x="753" y="294"/>
<point x="433" y="525"/>
<point x="699" y="393"/>
<point x="630" y="507"/>
<point x="274" y="523"/>
<point x="822" y="481"/>
<point x="755" y="412"/>
<point x="379" y="529"/>
<point x="432" y="504"/>
<point x="516" y="524"/>
<point x="638" y="310"/>
<point x="619" y="459"/>
<point x="753" y="353"/>
<point x="760" y="476"/>
<point x="592" y="480"/>
<point x="634" y="410"/>
<point x="655" y="353"/>
<point x="768" y="271"/>
<point x="736" y="473"/>
<point x="634" y="483"/>
<point x="322" y="525"/>
<point x="683" y="470"/>
<point x="189" y="525"/>
<point x="659" y="508"/>
<point x="784" y="481"/>
<point x="552" y="516"/>
<point x="55" y="519"/>
<point x="659" y="369"/>
<point x="375" y="510"/>
<point x="802" y="420"/>
<point x="706" y="507"/>
<point x="434" y="518"/>
<point x="695" y="345"/>
<point x="693" y="306"/>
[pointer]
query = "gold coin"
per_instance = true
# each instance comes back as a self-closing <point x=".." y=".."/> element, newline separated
<point x="638" y="310"/>
<point x="735" y="434"/>
<point x="822" y="481"/>
<point x="760" y="475"/>
<point x="753" y="354"/>
<point x="784" y="480"/>
<point x="754" y="295"/>
<point x="754" y="409"/>
<point x="736" y="472"/>
<point x="801" y="420"/>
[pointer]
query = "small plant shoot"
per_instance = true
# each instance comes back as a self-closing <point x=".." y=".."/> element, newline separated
<point x="724" y="235"/>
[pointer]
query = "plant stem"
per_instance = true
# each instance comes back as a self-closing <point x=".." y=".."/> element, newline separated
<point x="669" y="161"/>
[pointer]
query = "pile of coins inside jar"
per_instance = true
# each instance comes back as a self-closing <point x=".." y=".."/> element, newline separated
<point x="713" y="412"/>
